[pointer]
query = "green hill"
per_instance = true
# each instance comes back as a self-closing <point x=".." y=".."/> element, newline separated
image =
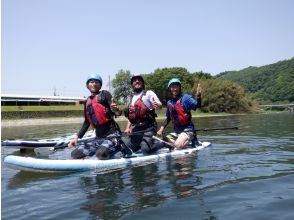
<point x="270" y="83"/>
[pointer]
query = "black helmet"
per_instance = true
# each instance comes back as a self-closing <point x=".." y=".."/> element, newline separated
<point x="138" y="76"/>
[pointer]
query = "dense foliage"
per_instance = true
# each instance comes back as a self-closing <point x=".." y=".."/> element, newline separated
<point x="158" y="80"/>
<point x="224" y="96"/>
<point x="218" y="95"/>
<point x="270" y="83"/>
<point x="122" y="86"/>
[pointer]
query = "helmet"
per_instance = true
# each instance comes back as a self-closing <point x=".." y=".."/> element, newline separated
<point x="174" y="80"/>
<point x="137" y="75"/>
<point x="94" y="76"/>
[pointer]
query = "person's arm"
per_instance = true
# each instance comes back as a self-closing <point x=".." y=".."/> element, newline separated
<point x="128" y="128"/>
<point x="163" y="126"/>
<point x="199" y="102"/>
<point x="165" y="123"/>
<point x="199" y="91"/>
<point x="82" y="131"/>
<point x="111" y="103"/>
<point x="154" y="100"/>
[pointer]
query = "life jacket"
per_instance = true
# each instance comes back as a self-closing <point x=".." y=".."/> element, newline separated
<point x="184" y="117"/>
<point x="139" y="113"/>
<point x="97" y="110"/>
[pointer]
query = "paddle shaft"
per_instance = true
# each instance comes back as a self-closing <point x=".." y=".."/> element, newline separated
<point x="170" y="145"/>
<point x="64" y="145"/>
<point x="216" y="129"/>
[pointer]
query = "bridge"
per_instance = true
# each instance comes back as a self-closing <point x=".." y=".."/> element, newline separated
<point x="27" y="100"/>
<point x="290" y="107"/>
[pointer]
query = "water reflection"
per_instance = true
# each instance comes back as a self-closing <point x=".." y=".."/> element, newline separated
<point x="129" y="191"/>
<point x="102" y="190"/>
<point x="182" y="176"/>
<point x="22" y="178"/>
<point x="126" y="191"/>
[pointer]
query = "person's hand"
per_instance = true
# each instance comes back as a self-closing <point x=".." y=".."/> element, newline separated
<point x="199" y="90"/>
<point x="73" y="142"/>
<point x="113" y="106"/>
<point x="160" y="131"/>
<point x="127" y="130"/>
<point x="155" y="104"/>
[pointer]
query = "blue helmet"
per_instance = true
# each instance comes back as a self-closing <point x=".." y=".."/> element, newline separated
<point x="137" y="75"/>
<point x="173" y="80"/>
<point x="94" y="76"/>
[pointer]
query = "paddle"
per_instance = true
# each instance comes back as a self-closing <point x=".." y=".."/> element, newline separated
<point x="216" y="129"/>
<point x="170" y="145"/>
<point x="45" y="151"/>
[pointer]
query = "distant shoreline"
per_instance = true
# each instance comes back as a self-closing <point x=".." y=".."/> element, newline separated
<point x="73" y="120"/>
<point x="46" y="121"/>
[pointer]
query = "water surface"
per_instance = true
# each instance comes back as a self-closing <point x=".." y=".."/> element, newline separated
<point x="246" y="174"/>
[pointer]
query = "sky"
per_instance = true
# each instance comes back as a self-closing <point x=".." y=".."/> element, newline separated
<point x="52" y="46"/>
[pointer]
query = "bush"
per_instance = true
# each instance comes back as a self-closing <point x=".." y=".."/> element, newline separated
<point x="224" y="96"/>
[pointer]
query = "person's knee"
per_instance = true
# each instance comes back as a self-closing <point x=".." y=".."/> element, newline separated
<point x="132" y="142"/>
<point x="77" y="154"/>
<point x="158" y="145"/>
<point x="146" y="147"/>
<point x="103" y="153"/>
<point x="182" y="141"/>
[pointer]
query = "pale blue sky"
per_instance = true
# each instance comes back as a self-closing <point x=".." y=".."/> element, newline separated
<point x="49" y="44"/>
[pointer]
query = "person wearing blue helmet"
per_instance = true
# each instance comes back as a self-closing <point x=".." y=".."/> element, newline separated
<point x="99" y="111"/>
<point x="179" y="112"/>
<point x="141" y="117"/>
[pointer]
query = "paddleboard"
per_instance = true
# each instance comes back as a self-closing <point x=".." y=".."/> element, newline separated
<point x="70" y="165"/>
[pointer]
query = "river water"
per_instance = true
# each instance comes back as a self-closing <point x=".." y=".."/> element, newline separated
<point x="245" y="174"/>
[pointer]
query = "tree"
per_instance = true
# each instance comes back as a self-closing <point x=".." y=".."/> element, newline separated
<point x="121" y="85"/>
<point x="158" y="81"/>
<point x="224" y="96"/>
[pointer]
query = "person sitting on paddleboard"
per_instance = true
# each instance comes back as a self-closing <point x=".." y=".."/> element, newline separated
<point x="99" y="110"/>
<point x="178" y="111"/>
<point x="141" y="117"/>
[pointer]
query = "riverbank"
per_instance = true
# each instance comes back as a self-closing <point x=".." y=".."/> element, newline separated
<point x="73" y="120"/>
<point x="46" y="121"/>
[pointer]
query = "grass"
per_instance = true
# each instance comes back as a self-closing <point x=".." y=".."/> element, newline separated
<point x="160" y="113"/>
<point x="79" y="108"/>
<point x="41" y="108"/>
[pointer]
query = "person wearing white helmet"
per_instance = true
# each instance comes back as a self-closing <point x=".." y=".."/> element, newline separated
<point x="99" y="111"/>
<point x="141" y="117"/>
<point x="179" y="112"/>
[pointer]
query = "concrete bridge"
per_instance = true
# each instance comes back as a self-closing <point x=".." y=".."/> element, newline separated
<point x="26" y="100"/>
<point x="290" y="107"/>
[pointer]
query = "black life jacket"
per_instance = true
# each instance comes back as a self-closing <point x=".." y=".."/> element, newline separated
<point x="97" y="110"/>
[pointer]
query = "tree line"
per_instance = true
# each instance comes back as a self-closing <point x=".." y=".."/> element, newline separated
<point x="218" y="95"/>
<point x="268" y="84"/>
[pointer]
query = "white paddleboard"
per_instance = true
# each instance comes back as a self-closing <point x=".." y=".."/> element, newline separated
<point x="71" y="165"/>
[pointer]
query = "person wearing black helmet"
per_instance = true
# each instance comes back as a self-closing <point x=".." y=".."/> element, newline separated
<point x="179" y="112"/>
<point x="141" y="117"/>
<point x="99" y="110"/>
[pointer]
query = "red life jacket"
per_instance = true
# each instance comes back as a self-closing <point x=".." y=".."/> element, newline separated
<point x="139" y="112"/>
<point x="178" y="109"/>
<point x="96" y="111"/>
